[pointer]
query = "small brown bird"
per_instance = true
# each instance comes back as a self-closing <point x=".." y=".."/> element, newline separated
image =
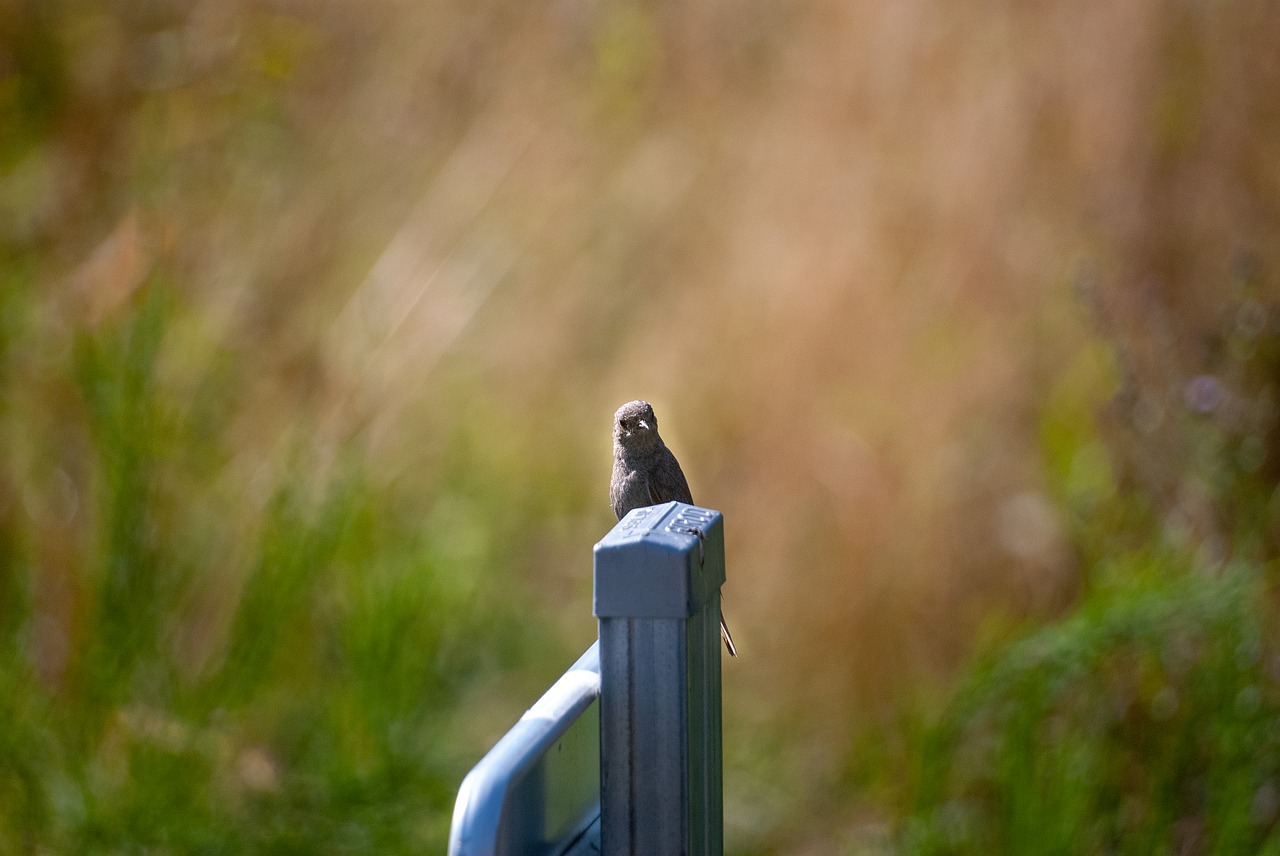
<point x="646" y="473"/>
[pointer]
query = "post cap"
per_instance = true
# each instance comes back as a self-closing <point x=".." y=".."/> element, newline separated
<point x="662" y="561"/>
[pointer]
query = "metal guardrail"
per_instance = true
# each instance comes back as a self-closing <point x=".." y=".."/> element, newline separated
<point x="638" y="773"/>
<point x="538" y="789"/>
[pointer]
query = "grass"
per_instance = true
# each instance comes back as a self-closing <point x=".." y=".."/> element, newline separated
<point x="196" y="661"/>
<point x="184" y="671"/>
<point x="1146" y="718"/>
<point x="1147" y="721"/>
<point x="312" y="316"/>
<point x="190" y="663"/>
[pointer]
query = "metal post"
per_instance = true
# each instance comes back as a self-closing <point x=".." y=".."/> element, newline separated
<point x="657" y="596"/>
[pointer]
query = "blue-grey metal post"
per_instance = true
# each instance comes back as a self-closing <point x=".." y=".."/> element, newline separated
<point x="657" y="596"/>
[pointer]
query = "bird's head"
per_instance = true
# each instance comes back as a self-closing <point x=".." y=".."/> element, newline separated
<point x="635" y="428"/>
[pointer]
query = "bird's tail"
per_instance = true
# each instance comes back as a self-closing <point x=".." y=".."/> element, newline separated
<point x="728" y="639"/>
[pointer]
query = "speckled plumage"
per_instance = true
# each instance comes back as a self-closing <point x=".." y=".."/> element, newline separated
<point x="646" y="473"/>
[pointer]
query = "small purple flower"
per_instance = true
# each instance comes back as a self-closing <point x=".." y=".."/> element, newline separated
<point x="1204" y="394"/>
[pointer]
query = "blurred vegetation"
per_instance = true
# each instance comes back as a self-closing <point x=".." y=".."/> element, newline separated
<point x="313" y="316"/>
<point x="1147" y="718"/>
<point x="1147" y="722"/>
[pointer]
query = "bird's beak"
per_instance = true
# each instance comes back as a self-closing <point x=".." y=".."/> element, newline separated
<point x="644" y="425"/>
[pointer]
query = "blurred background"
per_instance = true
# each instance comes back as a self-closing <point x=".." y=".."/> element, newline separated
<point x="314" y="315"/>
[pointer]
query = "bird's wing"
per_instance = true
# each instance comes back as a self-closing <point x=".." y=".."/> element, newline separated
<point x="615" y="493"/>
<point x="667" y="481"/>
